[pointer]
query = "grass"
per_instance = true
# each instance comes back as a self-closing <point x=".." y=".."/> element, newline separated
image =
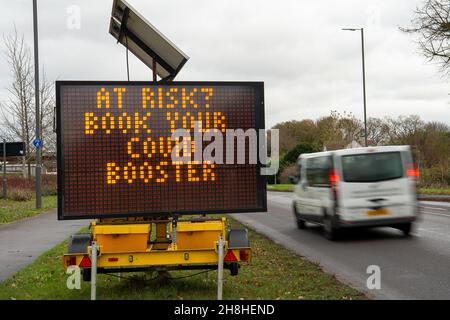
<point x="274" y="273"/>
<point x="445" y="191"/>
<point x="280" y="187"/>
<point x="11" y="210"/>
<point x="290" y="187"/>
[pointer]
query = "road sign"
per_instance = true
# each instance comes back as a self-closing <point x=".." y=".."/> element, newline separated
<point x="13" y="149"/>
<point x="115" y="148"/>
<point x="37" y="143"/>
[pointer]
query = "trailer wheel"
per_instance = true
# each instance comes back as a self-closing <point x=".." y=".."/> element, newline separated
<point x="234" y="268"/>
<point x="86" y="275"/>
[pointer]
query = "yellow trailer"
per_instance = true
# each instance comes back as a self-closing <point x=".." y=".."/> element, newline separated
<point x="139" y="244"/>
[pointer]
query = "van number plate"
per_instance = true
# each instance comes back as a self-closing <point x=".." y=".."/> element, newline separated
<point x="378" y="212"/>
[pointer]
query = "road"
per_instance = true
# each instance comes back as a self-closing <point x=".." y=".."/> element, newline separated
<point x="23" y="241"/>
<point x="411" y="268"/>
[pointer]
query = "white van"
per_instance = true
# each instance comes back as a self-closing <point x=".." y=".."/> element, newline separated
<point x="361" y="187"/>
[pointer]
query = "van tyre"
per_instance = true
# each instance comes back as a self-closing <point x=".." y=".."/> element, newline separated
<point x="331" y="233"/>
<point x="301" y="224"/>
<point x="406" y="228"/>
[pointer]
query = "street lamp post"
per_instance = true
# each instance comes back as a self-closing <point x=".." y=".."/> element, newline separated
<point x="38" y="112"/>
<point x="364" y="78"/>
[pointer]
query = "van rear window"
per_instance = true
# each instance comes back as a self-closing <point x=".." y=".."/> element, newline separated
<point x="372" y="167"/>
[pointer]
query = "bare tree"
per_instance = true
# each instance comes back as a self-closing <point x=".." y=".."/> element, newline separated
<point x="18" y="113"/>
<point x="294" y="132"/>
<point x="330" y="136"/>
<point x="432" y="25"/>
<point x="47" y="113"/>
<point x="377" y="131"/>
<point x="436" y="148"/>
<point x="351" y="128"/>
<point x="337" y="130"/>
<point x="405" y="130"/>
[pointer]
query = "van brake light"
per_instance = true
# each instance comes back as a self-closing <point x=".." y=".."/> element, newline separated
<point x="412" y="170"/>
<point x="333" y="177"/>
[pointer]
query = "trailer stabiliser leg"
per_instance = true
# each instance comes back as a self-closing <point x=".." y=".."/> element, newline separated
<point x="94" y="250"/>
<point x="174" y="230"/>
<point x="220" y="249"/>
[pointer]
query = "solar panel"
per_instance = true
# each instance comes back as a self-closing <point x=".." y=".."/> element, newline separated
<point x="146" y="42"/>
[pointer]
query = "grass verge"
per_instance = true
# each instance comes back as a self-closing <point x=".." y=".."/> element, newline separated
<point x="433" y="191"/>
<point x="290" y="187"/>
<point x="280" y="187"/>
<point x="11" y="210"/>
<point x="274" y="273"/>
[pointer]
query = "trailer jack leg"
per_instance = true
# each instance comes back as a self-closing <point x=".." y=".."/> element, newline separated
<point x="221" y="246"/>
<point x="94" y="250"/>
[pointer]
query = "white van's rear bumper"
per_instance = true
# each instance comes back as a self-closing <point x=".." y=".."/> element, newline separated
<point x="382" y="222"/>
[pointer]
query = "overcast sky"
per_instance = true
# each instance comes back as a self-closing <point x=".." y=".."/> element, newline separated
<point x="297" y="48"/>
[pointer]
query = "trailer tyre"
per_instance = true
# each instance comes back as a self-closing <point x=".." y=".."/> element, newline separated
<point x="86" y="275"/>
<point x="234" y="268"/>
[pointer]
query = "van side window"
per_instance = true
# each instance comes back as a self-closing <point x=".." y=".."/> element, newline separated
<point x="317" y="171"/>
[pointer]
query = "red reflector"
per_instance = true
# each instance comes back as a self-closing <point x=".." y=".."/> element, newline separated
<point x="85" y="262"/>
<point x="71" y="261"/>
<point x="244" y="255"/>
<point x="229" y="257"/>
<point x="113" y="259"/>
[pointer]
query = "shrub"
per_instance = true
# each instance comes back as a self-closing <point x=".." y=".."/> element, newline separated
<point x="23" y="189"/>
<point x="20" y="194"/>
<point x="20" y="183"/>
<point x="294" y="153"/>
<point x="287" y="172"/>
<point x="434" y="177"/>
<point x="290" y="159"/>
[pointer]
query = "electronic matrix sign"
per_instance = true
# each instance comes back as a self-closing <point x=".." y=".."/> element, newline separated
<point x="115" y="148"/>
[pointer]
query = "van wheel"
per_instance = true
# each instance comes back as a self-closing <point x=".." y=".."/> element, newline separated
<point x="406" y="228"/>
<point x="301" y="224"/>
<point x="331" y="233"/>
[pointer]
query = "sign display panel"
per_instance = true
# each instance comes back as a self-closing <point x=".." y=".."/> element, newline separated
<point x="153" y="149"/>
